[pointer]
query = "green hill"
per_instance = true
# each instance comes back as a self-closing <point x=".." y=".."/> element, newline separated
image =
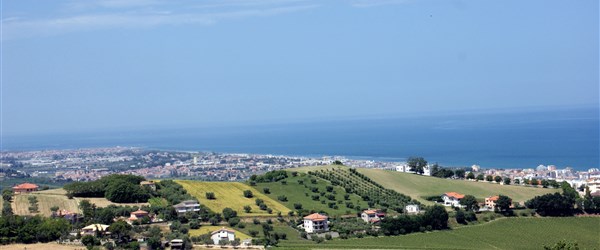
<point x="418" y="186"/>
<point x="299" y="189"/>
<point x="507" y="233"/>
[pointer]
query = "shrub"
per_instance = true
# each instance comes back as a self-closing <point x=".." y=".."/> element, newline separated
<point x="210" y="196"/>
<point x="266" y="190"/>
<point x="248" y="194"/>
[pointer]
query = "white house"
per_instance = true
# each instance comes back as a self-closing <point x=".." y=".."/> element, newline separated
<point x="404" y="168"/>
<point x="222" y="234"/>
<point x="91" y="229"/>
<point x="372" y="215"/>
<point x="412" y="209"/>
<point x="452" y="199"/>
<point x="187" y="206"/>
<point x="316" y="223"/>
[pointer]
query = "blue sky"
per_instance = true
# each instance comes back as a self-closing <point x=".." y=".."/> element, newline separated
<point x="108" y="64"/>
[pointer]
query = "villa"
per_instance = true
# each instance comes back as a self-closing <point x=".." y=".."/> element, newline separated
<point x="372" y="215"/>
<point x="222" y="234"/>
<point x="25" y="188"/>
<point x="187" y="206"/>
<point x="452" y="199"/>
<point x="316" y="223"/>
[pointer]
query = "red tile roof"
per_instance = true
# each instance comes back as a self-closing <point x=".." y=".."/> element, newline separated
<point x="26" y="185"/>
<point x="493" y="198"/>
<point x="455" y="195"/>
<point x="316" y="217"/>
<point x="223" y="229"/>
<point x="139" y="212"/>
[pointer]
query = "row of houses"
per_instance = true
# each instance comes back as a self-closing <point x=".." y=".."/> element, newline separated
<point x="454" y="198"/>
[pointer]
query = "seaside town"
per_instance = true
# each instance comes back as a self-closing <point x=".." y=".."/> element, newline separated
<point x="94" y="163"/>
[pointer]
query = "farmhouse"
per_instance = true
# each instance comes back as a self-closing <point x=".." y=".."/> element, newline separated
<point x="316" y="223"/>
<point x="25" y="188"/>
<point x="452" y="199"/>
<point x="176" y="244"/>
<point x="91" y="229"/>
<point x="372" y="215"/>
<point x="187" y="206"/>
<point x="68" y="215"/>
<point x="222" y="234"/>
<point x="137" y="215"/>
<point x="412" y="209"/>
<point x="148" y="184"/>
<point x="490" y="202"/>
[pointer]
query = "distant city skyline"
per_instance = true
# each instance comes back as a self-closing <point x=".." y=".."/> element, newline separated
<point x="103" y="64"/>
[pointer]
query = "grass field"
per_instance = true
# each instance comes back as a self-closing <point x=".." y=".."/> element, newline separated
<point x="230" y="194"/>
<point x="508" y="233"/>
<point x="417" y="186"/>
<point x="296" y="193"/>
<point x="56" y="197"/>
<point x="210" y="229"/>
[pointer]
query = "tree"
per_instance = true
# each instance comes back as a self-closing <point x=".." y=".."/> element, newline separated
<point x="503" y="203"/>
<point x="247" y="209"/>
<point x="545" y="183"/>
<point x="210" y="196"/>
<point x="469" y="202"/>
<point x="33" y="204"/>
<point x="54" y="209"/>
<point x="459" y="173"/>
<point x="563" y="245"/>
<point x="436" y="217"/>
<point x="489" y="178"/>
<point x="6" y="209"/>
<point x="460" y="217"/>
<point x="498" y="179"/>
<point x="417" y="164"/>
<point x="229" y="213"/>
<point x="470" y="176"/>
<point x="506" y="181"/>
<point x="266" y="190"/>
<point x="248" y="194"/>
<point x="126" y="192"/>
<point x="517" y="182"/>
<point x="7" y="195"/>
<point x="480" y="177"/>
<point x="154" y="243"/>
<point x="120" y="230"/>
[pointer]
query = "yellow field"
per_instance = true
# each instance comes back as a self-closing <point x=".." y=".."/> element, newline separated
<point x="41" y="246"/>
<point x="210" y="229"/>
<point x="57" y="197"/>
<point x="231" y="194"/>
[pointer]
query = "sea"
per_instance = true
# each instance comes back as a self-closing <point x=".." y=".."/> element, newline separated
<point x="564" y="137"/>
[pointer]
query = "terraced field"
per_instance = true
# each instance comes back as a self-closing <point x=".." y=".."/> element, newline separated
<point x="230" y="194"/>
<point x="507" y="233"/>
<point x="418" y="186"/>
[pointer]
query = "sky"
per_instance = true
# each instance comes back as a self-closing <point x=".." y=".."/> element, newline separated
<point x="109" y="64"/>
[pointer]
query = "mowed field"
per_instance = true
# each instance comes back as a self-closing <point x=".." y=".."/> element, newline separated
<point x="417" y="186"/>
<point x="56" y="197"/>
<point x="231" y="194"/>
<point x="209" y="229"/>
<point x="506" y="233"/>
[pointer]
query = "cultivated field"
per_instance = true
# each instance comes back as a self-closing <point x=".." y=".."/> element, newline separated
<point x="230" y="194"/>
<point x="507" y="233"/>
<point x="56" y="197"/>
<point x="210" y="229"/>
<point x="417" y="186"/>
<point x="296" y="193"/>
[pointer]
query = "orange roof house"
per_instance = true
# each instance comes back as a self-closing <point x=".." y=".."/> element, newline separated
<point x="25" y="188"/>
<point x="316" y="217"/>
<point x="455" y="195"/>
<point x="452" y="199"/>
<point x="315" y="223"/>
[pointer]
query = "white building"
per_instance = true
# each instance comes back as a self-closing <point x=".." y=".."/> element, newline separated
<point x="404" y="168"/>
<point x="372" y="215"/>
<point x="412" y="209"/>
<point x="187" y="206"/>
<point x="452" y="199"/>
<point x="316" y="223"/>
<point x="222" y="234"/>
<point x="91" y="229"/>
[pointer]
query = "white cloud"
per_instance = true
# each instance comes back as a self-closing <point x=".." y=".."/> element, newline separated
<point x="15" y="27"/>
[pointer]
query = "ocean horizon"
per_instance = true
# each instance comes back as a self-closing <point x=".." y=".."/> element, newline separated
<point x="564" y="138"/>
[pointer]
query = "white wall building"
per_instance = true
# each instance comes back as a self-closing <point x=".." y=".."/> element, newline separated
<point x="315" y="223"/>
<point x="222" y="234"/>
<point x="372" y="215"/>
<point x="187" y="206"/>
<point x="412" y="209"/>
<point x="452" y="199"/>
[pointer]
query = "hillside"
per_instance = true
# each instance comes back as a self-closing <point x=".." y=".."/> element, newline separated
<point x="418" y="186"/>
<point x="298" y="189"/>
<point x="57" y="197"/>
<point x="230" y="194"/>
<point x="507" y="233"/>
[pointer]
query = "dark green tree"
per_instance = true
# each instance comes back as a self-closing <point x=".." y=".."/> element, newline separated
<point x="469" y="202"/>
<point x="417" y="164"/>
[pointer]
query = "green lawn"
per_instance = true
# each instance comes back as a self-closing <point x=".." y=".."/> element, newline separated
<point x="296" y="193"/>
<point x="417" y="186"/>
<point x="507" y="233"/>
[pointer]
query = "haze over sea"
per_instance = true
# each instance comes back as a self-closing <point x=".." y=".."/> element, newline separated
<point x="567" y="137"/>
